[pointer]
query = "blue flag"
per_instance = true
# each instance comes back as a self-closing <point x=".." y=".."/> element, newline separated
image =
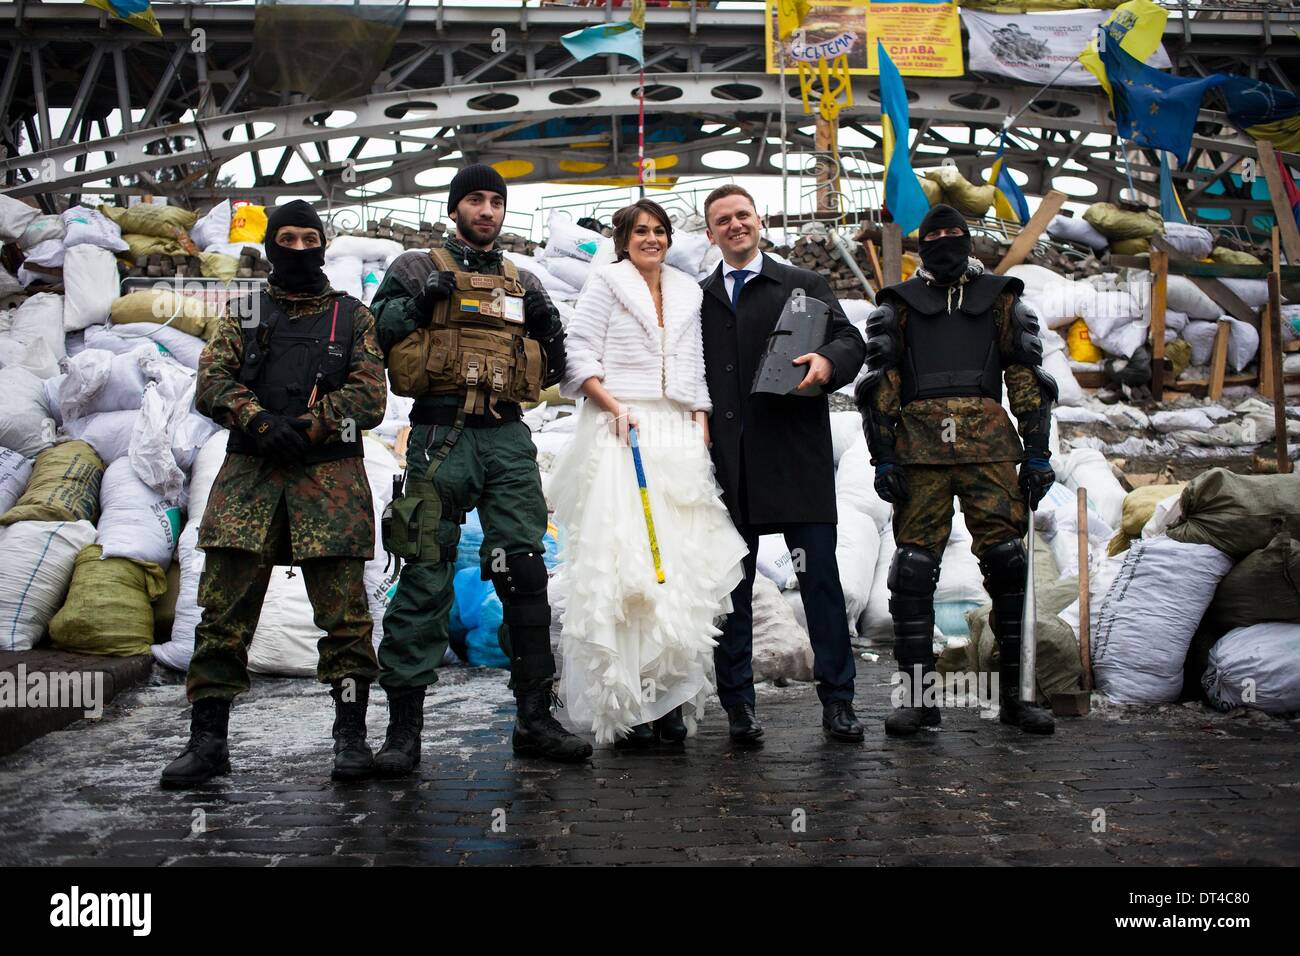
<point x="1152" y="108"/>
<point x="1009" y="201"/>
<point x="623" y="38"/>
<point x="904" y="197"/>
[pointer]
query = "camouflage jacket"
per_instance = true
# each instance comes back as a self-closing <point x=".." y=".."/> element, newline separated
<point x="950" y="431"/>
<point x="329" y="505"/>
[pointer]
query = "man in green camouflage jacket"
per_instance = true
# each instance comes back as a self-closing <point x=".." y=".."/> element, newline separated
<point x="296" y="375"/>
<point x="938" y="349"/>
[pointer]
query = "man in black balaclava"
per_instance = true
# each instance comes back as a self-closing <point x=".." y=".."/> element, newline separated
<point x="295" y="374"/>
<point x="938" y="348"/>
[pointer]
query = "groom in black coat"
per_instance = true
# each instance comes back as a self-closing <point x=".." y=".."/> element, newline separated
<point x="772" y="454"/>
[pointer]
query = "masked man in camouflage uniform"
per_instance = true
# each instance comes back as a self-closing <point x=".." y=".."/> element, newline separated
<point x="470" y="337"/>
<point x="295" y="373"/>
<point x="938" y="348"/>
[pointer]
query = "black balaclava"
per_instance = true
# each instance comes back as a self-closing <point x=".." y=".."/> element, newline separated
<point x="296" y="270"/>
<point x="945" y="258"/>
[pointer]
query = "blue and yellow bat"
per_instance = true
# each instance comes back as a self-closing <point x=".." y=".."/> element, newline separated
<point x="645" y="503"/>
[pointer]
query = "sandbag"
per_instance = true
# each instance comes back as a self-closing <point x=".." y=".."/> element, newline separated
<point x="213" y="228"/>
<point x="137" y="522"/>
<point x="248" y="223"/>
<point x="90" y="282"/>
<point x="15" y="217"/>
<point x="1189" y="240"/>
<point x="49" y="254"/>
<point x="41" y="229"/>
<point x="846" y="431"/>
<point x="216" y="266"/>
<point x="856" y="549"/>
<point x="565" y="238"/>
<point x="152" y="219"/>
<point x="34" y="356"/>
<point x="876" y="626"/>
<point x="1264" y="586"/>
<point x="34" y="577"/>
<point x="1115" y="223"/>
<point x="108" y="433"/>
<point x="1130" y="247"/>
<point x="1070" y="229"/>
<point x="40" y="316"/>
<point x="1088" y="468"/>
<point x="855" y="488"/>
<point x="1257" y="667"/>
<point x="140" y="246"/>
<point x="1068" y="388"/>
<point x="64" y="486"/>
<point x="1254" y="292"/>
<point x="1234" y="257"/>
<point x="25" y="422"/>
<point x="189" y="314"/>
<point x="237" y="249"/>
<point x="344" y="274"/>
<point x="1243" y="343"/>
<point x="109" y="609"/>
<point x="15" y="473"/>
<point x="933" y="191"/>
<point x="169" y="341"/>
<point x="1147" y="618"/>
<point x="1080" y="344"/>
<point x="1183" y="295"/>
<point x="1139" y="505"/>
<point x="1200" y="337"/>
<point x="1237" y="514"/>
<point x="966" y="197"/>
<point x="774" y="561"/>
<point x="687" y="252"/>
<point x="83" y="226"/>
<point x="570" y="271"/>
<point x="99" y="381"/>
<point x="362" y="248"/>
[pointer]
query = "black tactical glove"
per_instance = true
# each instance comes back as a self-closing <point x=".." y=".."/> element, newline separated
<point x="538" y="314"/>
<point x="437" y="287"/>
<point x="279" y="437"/>
<point x="891" y="483"/>
<point x="1036" y="479"/>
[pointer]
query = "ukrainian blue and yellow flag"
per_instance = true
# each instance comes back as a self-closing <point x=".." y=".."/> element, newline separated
<point x="1008" y="201"/>
<point x="138" y="13"/>
<point x="904" y="197"/>
<point x="624" y="38"/>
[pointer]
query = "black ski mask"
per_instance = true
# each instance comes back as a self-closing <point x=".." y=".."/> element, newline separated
<point x="296" y="270"/>
<point x="945" y="258"/>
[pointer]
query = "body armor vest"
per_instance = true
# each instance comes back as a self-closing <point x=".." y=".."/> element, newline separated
<point x="474" y="345"/>
<point x="289" y="364"/>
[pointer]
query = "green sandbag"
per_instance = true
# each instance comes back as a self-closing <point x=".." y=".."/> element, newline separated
<point x="1263" y="586"/>
<point x="1238" y="514"/>
<point x="1234" y="257"/>
<point x="64" y="486"/>
<point x="147" y="219"/>
<point x="215" y="265"/>
<point x="1115" y="223"/>
<point x="108" y="610"/>
<point x="1130" y="247"/>
<point x="958" y="192"/>
<point x="140" y="245"/>
<point x="933" y="191"/>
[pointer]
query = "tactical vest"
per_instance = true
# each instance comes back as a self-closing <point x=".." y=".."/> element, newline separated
<point x="290" y="364"/>
<point x="950" y="353"/>
<point x="474" y="345"/>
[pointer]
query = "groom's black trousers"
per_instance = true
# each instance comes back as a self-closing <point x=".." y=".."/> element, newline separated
<point x="823" y="602"/>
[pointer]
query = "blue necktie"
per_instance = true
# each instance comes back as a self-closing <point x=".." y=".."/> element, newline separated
<point x="738" y="278"/>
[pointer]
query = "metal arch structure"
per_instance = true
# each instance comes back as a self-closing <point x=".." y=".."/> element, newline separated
<point x="450" y="96"/>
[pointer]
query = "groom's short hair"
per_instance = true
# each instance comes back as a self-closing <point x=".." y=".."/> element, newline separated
<point x="729" y="189"/>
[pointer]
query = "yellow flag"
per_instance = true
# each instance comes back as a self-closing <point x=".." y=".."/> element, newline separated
<point x="637" y="16"/>
<point x="1139" y="25"/>
<point x="790" y="15"/>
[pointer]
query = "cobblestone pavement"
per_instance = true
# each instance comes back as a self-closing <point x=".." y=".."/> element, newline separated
<point x="1180" y="785"/>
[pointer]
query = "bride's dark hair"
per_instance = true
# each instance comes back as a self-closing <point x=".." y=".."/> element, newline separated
<point x="625" y="220"/>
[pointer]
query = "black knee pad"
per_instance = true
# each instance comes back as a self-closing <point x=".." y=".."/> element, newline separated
<point x="913" y="576"/>
<point x="1005" y="566"/>
<point x="522" y="590"/>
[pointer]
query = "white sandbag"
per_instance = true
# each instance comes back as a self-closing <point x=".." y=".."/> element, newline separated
<point x="397" y="415"/>
<point x="774" y="561"/>
<point x="1070" y="392"/>
<point x="380" y="575"/>
<point x="572" y="272"/>
<point x="371" y="280"/>
<point x="1088" y="468"/>
<point x="846" y="431"/>
<point x="49" y="254"/>
<point x="856" y="550"/>
<point x="565" y="238"/>
<point x="1243" y="343"/>
<point x="25" y="424"/>
<point x="1075" y="229"/>
<point x="15" y="217"/>
<point x="855" y="487"/>
<point x="1166" y="513"/>
<point x="1037" y="278"/>
<point x="1063" y="539"/>
<point x="41" y="229"/>
<point x="15" y="472"/>
<point x="960" y="577"/>
<point x="135" y="521"/>
<point x="191" y="434"/>
<point x="361" y="248"/>
<point x="40" y="316"/>
<point x="1176" y="418"/>
<point x="1182" y="295"/>
<point x="167" y="403"/>
<point x="9" y="284"/>
<point x="236" y="249"/>
<point x="27" y="277"/>
<point x="528" y="264"/>
<point x="344" y="273"/>
<point x="1189" y="240"/>
<point x="1174" y="321"/>
<point x="1052" y="340"/>
<point x="1254" y="292"/>
<point x="876" y="625"/>
<point x="99" y="381"/>
<point x="1256" y="667"/>
<point x="34" y="576"/>
<point x="90" y="284"/>
<point x="1147" y="618"/>
<point x="169" y="340"/>
<point x="34" y="356"/>
<point x="109" y="433"/>
<point x="83" y="226"/>
<point x="213" y="228"/>
<point x="688" y="251"/>
<point x="1200" y="336"/>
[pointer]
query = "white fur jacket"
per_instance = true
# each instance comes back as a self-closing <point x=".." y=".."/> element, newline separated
<point x="614" y="335"/>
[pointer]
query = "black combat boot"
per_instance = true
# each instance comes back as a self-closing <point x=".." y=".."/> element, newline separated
<point x="353" y="758"/>
<point x="206" y="755"/>
<point x="1004" y="566"/>
<point x="400" y="754"/>
<point x="538" y="733"/>
<point x="913" y="575"/>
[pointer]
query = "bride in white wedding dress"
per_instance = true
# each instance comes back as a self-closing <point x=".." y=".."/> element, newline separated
<point x="638" y="653"/>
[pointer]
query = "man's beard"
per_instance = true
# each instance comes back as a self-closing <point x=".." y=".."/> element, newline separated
<point x="464" y="231"/>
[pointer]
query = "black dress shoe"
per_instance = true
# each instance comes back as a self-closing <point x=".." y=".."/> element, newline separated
<point x="840" y="723"/>
<point x="670" y="728"/>
<point x="744" y="727"/>
<point x="640" y="737"/>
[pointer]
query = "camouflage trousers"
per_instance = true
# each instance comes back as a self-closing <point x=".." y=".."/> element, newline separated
<point x="991" y="502"/>
<point x="232" y="588"/>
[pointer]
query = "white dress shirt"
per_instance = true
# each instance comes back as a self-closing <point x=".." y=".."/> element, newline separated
<point x="754" y="266"/>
